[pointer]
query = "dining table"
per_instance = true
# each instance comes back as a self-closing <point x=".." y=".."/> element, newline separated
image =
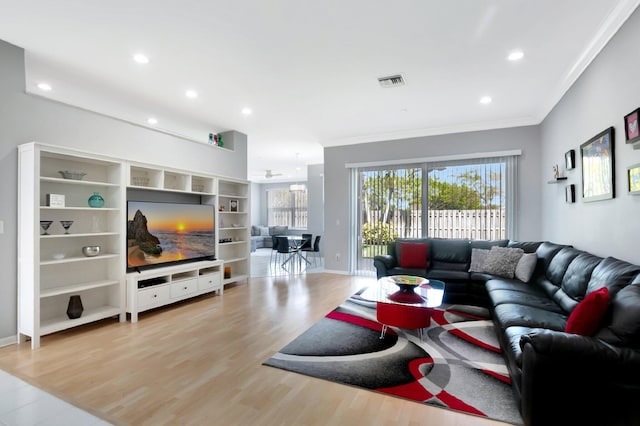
<point x="295" y="247"/>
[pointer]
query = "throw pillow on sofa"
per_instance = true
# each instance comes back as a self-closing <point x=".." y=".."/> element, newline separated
<point x="525" y="267"/>
<point x="586" y="316"/>
<point x="413" y="255"/>
<point x="502" y="261"/>
<point x="478" y="256"/>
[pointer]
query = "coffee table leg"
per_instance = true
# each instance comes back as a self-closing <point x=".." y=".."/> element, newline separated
<point x="384" y="330"/>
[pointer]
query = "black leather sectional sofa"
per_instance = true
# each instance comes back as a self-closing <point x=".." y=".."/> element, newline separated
<point x="559" y="378"/>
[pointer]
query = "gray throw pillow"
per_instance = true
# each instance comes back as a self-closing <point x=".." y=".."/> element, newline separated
<point x="264" y="231"/>
<point x="502" y="261"/>
<point x="478" y="257"/>
<point x="525" y="267"/>
<point x="255" y="231"/>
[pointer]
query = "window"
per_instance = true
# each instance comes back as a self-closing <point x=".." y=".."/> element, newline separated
<point x="469" y="198"/>
<point x="287" y="208"/>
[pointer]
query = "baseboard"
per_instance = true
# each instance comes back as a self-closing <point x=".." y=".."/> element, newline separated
<point x="331" y="271"/>
<point x="6" y="341"/>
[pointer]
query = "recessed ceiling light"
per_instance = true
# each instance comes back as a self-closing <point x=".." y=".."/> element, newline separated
<point x="191" y="94"/>
<point x="140" y="58"/>
<point x="44" y="86"/>
<point x="246" y="111"/>
<point x="515" y="55"/>
<point x="485" y="100"/>
<point x="152" y="120"/>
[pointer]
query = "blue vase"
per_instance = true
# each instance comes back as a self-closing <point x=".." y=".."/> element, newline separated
<point x="96" y="200"/>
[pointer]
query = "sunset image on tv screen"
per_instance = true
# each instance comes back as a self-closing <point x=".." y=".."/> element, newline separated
<point x="168" y="232"/>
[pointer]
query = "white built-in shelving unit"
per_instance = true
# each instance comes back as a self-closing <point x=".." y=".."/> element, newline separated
<point x="234" y="226"/>
<point x="51" y="268"/>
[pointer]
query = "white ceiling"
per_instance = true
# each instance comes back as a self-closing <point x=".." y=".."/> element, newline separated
<point x="308" y="70"/>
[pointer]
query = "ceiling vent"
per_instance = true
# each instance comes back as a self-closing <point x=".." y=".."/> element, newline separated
<point x="391" y="81"/>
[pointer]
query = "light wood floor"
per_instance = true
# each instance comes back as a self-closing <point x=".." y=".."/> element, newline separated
<point x="199" y="363"/>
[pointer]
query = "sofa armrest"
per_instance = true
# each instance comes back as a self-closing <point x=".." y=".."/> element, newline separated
<point x="558" y="366"/>
<point x="563" y="346"/>
<point x="383" y="263"/>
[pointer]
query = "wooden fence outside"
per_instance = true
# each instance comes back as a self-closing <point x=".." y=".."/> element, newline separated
<point x="486" y="224"/>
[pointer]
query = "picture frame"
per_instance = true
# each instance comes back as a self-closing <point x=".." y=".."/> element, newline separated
<point x="570" y="194"/>
<point x="598" y="166"/>
<point x="632" y="126"/>
<point x="233" y="205"/>
<point x="633" y="179"/>
<point x="570" y="159"/>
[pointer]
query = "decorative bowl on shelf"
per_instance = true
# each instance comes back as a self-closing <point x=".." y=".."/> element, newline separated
<point x="71" y="174"/>
<point x="91" y="251"/>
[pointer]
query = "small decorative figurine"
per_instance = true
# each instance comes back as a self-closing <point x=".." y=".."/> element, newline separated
<point x="556" y="175"/>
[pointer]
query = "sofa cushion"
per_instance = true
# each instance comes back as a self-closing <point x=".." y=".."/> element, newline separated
<point x="551" y="279"/>
<point x="264" y="231"/>
<point x="502" y="261"/>
<point x="513" y="314"/>
<point x="478" y="257"/>
<point x="525" y="267"/>
<point x="574" y="282"/>
<point x="413" y="255"/>
<point x="585" y="318"/>
<point x="487" y="244"/>
<point x="535" y="299"/>
<point x="612" y="273"/>
<point x="623" y="319"/>
<point x="453" y="254"/>
<point x="527" y="246"/>
<point x="255" y="230"/>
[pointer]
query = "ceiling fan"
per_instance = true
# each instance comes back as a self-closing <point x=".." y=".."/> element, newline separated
<point x="269" y="174"/>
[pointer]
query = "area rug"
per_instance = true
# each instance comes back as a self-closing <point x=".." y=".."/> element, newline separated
<point x="456" y="365"/>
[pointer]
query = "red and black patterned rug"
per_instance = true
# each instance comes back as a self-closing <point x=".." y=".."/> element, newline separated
<point x="457" y="364"/>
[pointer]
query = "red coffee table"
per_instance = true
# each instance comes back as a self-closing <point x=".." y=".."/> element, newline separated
<point x="405" y="301"/>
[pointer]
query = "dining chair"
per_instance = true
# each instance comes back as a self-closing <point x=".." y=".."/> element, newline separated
<point x="315" y="250"/>
<point x="307" y="238"/>
<point x="284" y="248"/>
<point x="274" y="248"/>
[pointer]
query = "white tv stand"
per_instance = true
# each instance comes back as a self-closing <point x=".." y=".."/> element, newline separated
<point x="171" y="284"/>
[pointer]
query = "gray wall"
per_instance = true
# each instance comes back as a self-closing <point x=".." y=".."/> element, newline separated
<point x="607" y="91"/>
<point x="337" y="226"/>
<point x="315" y="186"/>
<point x="25" y="118"/>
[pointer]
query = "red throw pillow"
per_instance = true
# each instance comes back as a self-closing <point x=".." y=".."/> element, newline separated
<point x="586" y="317"/>
<point x="413" y="255"/>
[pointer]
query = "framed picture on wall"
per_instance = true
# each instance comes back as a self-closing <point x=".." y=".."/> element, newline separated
<point x="598" y="167"/>
<point x="631" y="128"/>
<point x="570" y="159"/>
<point x="633" y="179"/>
<point x="570" y="193"/>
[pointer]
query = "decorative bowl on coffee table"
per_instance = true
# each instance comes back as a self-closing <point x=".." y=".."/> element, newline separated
<point x="407" y="284"/>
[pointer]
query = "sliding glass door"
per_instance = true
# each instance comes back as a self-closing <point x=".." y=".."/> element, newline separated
<point x="458" y="199"/>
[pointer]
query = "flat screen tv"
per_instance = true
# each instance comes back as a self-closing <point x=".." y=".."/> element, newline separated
<point x="161" y="234"/>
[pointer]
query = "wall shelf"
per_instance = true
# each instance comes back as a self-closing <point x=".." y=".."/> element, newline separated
<point x="558" y="180"/>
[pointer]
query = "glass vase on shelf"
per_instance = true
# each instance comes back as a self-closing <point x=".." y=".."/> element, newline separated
<point x="96" y="200"/>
